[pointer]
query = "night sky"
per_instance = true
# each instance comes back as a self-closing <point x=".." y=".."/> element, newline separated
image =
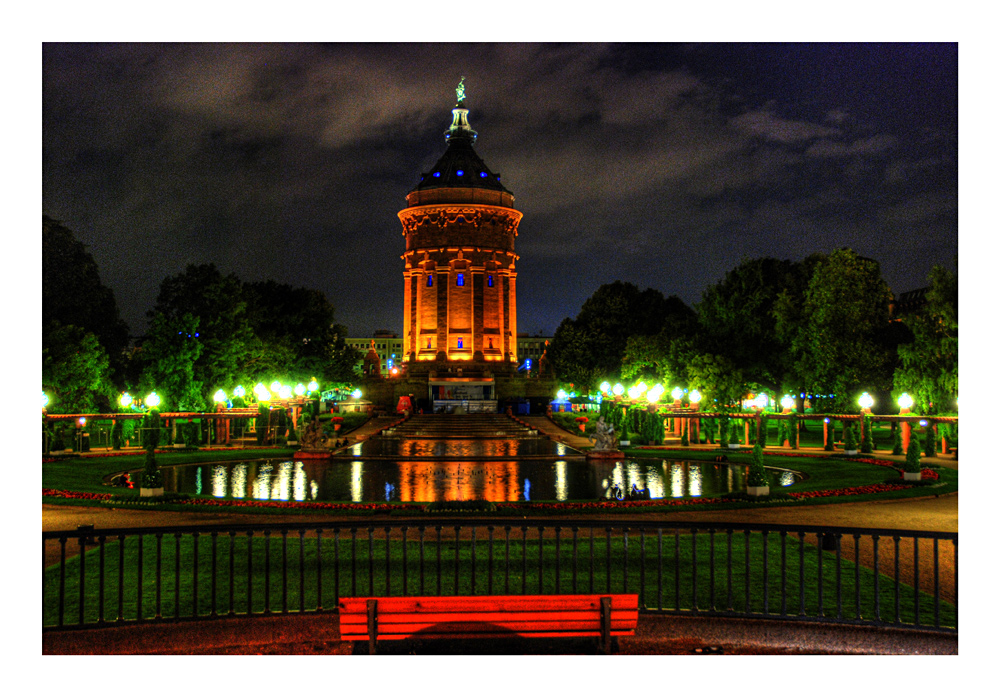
<point x="660" y="164"/>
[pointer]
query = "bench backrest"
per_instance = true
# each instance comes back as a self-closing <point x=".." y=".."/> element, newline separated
<point x="436" y="617"/>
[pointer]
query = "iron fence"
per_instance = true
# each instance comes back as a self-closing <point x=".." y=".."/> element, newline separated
<point x="829" y="574"/>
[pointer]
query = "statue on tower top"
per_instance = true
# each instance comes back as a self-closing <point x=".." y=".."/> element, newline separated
<point x="460" y="91"/>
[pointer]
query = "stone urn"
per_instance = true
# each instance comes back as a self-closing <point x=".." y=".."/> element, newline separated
<point x="758" y="490"/>
<point x="156" y="491"/>
<point x="911" y="476"/>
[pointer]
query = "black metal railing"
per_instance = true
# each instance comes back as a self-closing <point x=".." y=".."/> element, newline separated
<point x="843" y="575"/>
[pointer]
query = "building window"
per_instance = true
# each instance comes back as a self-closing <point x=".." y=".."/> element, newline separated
<point x="460" y="342"/>
<point x="489" y="280"/>
<point x="460" y="279"/>
<point x="430" y="280"/>
<point x="428" y="343"/>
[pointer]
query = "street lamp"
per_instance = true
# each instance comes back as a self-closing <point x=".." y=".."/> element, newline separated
<point x="606" y="387"/>
<point x="788" y="402"/>
<point x="618" y="389"/>
<point x="677" y="393"/>
<point x="654" y="394"/>
<point x="905" y="401"/>
<point x="695" y="397"/>
<point x="152" y="400"/>
<point x="866" y="401"/>
<point x="45" y="400"/>
<point x="125" y="401"/>
<point x="313" y="385"/>
<point x="300" y="390"/>
<point x="219" y="397"/>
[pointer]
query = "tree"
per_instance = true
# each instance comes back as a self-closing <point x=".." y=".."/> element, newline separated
<point x="171" y="352"/>
<point x="836" y="346"/>
<point x="72" y="293"/>
<point x="75" y="371"/>
<point x="296" y="333"/>
<point x="737" y="319"/>
<point x="591" y="347"/>
<point x="929" y="363"/>
<point x="223" y="329"/>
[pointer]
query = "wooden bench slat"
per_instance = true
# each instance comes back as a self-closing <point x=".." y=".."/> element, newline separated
<point x="435" y="617"/>
<point x="496" y="603"/>
<point x="488" y="635"/>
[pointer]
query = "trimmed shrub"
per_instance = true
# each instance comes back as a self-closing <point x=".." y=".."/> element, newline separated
<point x="684" y="433"/>
<point x="152" y="478"/>
<point x="756" y="476"/>
<point x="897" y="438"/>
<point x="930" y="446"/>
<point x="912" y="454"/>
<point x="849" y="440"/>
<point x="866" y="438"/>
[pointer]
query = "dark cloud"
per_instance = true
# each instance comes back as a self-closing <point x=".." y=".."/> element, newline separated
<point x="663" y="165"/>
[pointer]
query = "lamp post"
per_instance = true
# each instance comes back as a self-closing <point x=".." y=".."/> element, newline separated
<point x="694" y="399"/>
<point x="905" y="401"/>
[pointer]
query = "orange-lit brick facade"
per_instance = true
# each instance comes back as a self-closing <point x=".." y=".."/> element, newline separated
<point x="460" y="300"/>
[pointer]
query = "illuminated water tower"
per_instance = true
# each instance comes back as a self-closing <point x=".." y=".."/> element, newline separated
<point x="459" y="278"/>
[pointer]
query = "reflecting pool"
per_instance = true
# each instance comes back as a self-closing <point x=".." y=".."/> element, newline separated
<point x="459" y="449"/>
<point x="363" y="481"/>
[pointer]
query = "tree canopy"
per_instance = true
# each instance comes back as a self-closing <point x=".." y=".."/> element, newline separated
<point x="928" y="368"/>
<point x="72" y="294"/>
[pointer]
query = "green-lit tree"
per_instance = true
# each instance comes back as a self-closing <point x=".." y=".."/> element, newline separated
<point x="75" y="371"/>
<point x="928" y="368"/>
<point x="170" y="353"/>
<point x="837" y="344"/>
<point x="912" y="465"/>
<point x="72" y="294"/>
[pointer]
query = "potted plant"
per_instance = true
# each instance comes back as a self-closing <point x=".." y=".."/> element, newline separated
<point x="911" y="469"/>
<point x="850" y="443"/>
<point x="152" y="478"/>
<point x="756" y="476"/>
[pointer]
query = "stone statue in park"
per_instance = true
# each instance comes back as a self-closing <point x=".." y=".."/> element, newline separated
<point x="604" y="436"/>
<point x="313" y="438"/>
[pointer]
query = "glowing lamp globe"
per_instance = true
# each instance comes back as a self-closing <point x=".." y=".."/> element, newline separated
<point x="561" y="395"/>
<point x="219" y="397"/>
<point x="313" y="385"/>
<point x="634" y="392"/>
<point x="866" y="401"/>
<point x="285" y="392"/>
<point x="125" y="400"/>
<point x="618" y="389"/>
<point x="677" y="393"/>
<point x="275" y="386"/>
<point x="695" y="397"/>
<point x="82" y="421"/>
<point x="905" y="401"/>
<point x="45" y="400"/>
<point x="356" y="394"/>
<point x="239" y="391"/>
<point x="654" y="394"/>
<point x="262" y="392"/>
<point x="788" y="402"/>
<point x="605" y="387"/>
<point x="152" y="400"/>
<point x="761" y="401"/>
<point x="300" y="390"/>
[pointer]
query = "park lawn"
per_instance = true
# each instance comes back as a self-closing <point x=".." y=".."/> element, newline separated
<point x="524" y="564"/>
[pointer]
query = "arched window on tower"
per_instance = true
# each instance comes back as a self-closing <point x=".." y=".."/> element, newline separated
<point x="460" y="342"/>
<point x="489" y="280"/>
<point x="430" y="280"/>
<point x="460" y="279"/>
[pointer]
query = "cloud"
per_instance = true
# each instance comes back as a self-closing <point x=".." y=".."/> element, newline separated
<point x="769" y="126"/>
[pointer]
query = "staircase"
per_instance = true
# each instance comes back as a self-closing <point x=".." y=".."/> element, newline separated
<point x="439" y="426"/>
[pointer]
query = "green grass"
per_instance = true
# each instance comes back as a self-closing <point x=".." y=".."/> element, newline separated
<point x="667" y="585"/>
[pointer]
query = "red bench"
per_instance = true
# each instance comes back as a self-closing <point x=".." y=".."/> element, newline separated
<point x="490" y="616"/>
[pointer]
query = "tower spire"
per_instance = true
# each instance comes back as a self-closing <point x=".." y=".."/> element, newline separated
<point x="460" y="127"/>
